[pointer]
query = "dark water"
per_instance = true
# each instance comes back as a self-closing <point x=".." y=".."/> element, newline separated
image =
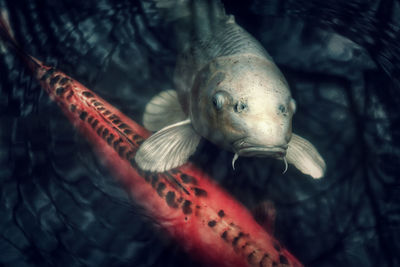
<point x="60" y="207"/>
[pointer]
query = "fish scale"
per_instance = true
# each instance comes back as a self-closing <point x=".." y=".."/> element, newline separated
<point x="206" y="221"/>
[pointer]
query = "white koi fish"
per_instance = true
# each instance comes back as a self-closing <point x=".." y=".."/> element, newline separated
<point x="228" y="91"/>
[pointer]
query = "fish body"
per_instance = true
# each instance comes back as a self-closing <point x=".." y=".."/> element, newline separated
<point x="228" y="91"/>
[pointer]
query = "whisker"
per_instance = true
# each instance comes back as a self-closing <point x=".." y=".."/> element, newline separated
<point x="235" y="157"/>
<point x="286" y="165"/>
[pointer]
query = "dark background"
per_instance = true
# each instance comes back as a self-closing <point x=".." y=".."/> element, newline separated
<point x="60" y="207"/>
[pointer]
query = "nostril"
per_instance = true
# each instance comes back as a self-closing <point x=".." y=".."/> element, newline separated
<point x="282" y="109"/>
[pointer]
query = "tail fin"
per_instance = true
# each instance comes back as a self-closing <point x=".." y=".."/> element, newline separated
<point x="188" y="19"/>
<point x="7" y="37"/>
<point x="171" y="10"/>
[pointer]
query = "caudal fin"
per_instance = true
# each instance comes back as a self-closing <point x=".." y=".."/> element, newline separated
<point x="7" y="38"/>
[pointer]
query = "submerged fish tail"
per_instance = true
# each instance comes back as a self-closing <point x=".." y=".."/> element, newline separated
<point x="8" y="39"/>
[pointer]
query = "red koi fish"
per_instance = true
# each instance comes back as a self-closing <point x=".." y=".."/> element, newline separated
<point x="207" y="222"/>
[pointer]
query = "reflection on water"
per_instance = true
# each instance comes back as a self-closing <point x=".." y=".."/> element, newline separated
<point x="59" y="206"/>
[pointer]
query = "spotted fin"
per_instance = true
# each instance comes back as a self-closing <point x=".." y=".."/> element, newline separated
<point x="168" y="148"/>
<point x="305" y="157"/>
<point x="164" y="109"/>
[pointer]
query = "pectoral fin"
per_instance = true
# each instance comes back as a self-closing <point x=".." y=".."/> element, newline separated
<point x="168" y="148"/>
<point x="305" y="157"/>
<point x="164" y="109"/>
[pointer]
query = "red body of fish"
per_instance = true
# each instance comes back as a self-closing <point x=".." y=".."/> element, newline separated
<point x="202" y="217"/>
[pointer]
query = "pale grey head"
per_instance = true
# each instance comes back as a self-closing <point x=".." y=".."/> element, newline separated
<point x="243" y="104"/>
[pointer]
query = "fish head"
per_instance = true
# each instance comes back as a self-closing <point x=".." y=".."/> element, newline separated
<point x="243" y="103"/>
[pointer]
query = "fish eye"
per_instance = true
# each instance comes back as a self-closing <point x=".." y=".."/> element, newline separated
<point x="218" y="100"/>
<point x="240" y="106"/>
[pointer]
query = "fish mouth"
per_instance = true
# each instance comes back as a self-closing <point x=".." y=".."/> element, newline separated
<point x="247" y="150"/>
<point x="256" y="151"/>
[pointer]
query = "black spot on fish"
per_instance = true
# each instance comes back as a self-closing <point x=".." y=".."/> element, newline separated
<point x="170" y="198"/>
<point x="224" y="235"/>
<point x="266" y="256"/>
<point x="139" y="142"/>
<point x="236" y="239"/>
<point x="48" y="74"/>
<point x="123" y="126"/>
<point x="187" y="179"/>
<point x="250" y="257"/>
<point x="110" y="139"/>
<point x="73" y="107"/>
<point x="283" y="259"/>
<point x="127" y="131"/>
<point x="186" y="207"/>
<point x="221" y="213"/>
<point x="87" y="94"/>
<point x="90" y="119"/>
<point x="107" y="112"/>
<point x="146" y="176"/>
<point x="97" y="103"/>
<point x="116" y="143"/>
<point x="116" y="121"/>
<point x="60" y="91"/>
<point x="133" y="164"/>
<point x="277" y="247"/>
<point x="101" y="108"/>
<point x="212" y="223"/>
<point x="83" y="115"/>
<point x="274" y="264"/>
<point x="113" y="117"/>
<point x="154" y="180"/>
<point x="121" y="150"/>
<point x="54" y="80"/>
<point x="160" y="188"/>
<point x="100" y="129"/>
<point x="245" y="245"/>
<point x="200" y="192"/>
<point x="129" y="154"/>
<point x="135" y="137"/>
<point x="94" y="124"/>
<point x="71" y="93"/>
<point x="105" y="133"/>
<point x="64" y="80"/>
